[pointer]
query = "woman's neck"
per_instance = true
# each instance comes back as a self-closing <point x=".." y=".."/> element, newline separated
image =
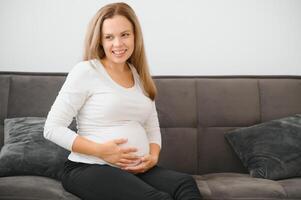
<point x="117" y="67"/>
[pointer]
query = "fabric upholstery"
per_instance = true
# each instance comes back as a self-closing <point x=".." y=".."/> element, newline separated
<point x="279" y="98"/>
<point x="270" y="150"/>
<point x="172" y="158"/>
<point x="33" y="188"/>
<point x="4" y="93"/>
<point x="221" y="102"/>
<point x="27" y="152"/>
<point x="234" y="186"/>
<point x="291" y="187"/>
<point x="194" y="114"/>
<point x="223" y="158"/>
<point x="176" y="103"/>
<point x="23" y="89"/>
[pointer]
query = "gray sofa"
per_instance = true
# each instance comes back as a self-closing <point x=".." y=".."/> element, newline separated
<point x="194" y="114"/>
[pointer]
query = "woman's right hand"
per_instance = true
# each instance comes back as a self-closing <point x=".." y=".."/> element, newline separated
<point x="113" y="153"/>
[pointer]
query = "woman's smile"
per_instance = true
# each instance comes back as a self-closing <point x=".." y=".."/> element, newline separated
<point x="119" y="53"/>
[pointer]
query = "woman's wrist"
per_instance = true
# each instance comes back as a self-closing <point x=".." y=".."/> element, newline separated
<point x="155" y="156"/>
<point x="98" y="150"/>
<point x="155" y="159"/>
<point x="154" y="152"/>
<point x="85" y="146"/>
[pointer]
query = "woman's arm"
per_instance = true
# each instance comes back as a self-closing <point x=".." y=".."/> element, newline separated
<point x="152" y="127"/>
<point x="67" y="104"/>
<point x="69" y="101"/>
<point x="109" y="151"/>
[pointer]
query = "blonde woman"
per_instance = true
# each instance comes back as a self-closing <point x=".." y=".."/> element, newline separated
<point x="116" y="148"/>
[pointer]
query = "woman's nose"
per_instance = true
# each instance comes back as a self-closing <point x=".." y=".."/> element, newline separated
<point x="117" y="41"/>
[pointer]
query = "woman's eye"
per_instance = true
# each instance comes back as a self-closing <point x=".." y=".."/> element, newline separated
<point x="125" y="35"/>
<point x="108" y="37"/>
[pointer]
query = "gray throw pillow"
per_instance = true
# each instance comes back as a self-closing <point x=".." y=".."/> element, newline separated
<point x="27" y="152"/>
<point x="270" y="150"/>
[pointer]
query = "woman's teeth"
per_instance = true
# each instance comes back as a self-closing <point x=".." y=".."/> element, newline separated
<point x="119" y="52"/>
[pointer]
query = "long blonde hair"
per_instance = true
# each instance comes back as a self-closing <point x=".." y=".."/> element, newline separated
<point x="93" y="44"/>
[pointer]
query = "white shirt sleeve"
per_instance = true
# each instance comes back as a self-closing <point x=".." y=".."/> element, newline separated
<point x="152" y="127"/>
<point x="70" y="99"/>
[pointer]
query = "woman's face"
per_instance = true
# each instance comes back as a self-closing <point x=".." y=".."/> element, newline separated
<point x="117" y="39"/>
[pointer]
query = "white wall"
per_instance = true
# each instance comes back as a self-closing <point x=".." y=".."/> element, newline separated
<point x="191" y="37"/>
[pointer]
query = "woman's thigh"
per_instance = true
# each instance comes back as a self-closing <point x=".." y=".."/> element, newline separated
<point x="179" y="185"/>
<point x="103" y="182"/>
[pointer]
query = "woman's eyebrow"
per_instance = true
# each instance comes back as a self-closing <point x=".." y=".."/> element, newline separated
<point x="120" y="32"/>
<point x="126" y="31"/>
<point x="106" y="34"/>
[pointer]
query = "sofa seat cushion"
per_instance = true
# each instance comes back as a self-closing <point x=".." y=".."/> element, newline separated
<point x="292" y="187"/>
<point x="33" y="188"/>
<point x="235" y="186"/>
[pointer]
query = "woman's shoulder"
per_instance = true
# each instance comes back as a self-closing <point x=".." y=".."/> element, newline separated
<point x="81" y="78"/>
<point x="82" y="68"/>
<point x="82" y="73"/>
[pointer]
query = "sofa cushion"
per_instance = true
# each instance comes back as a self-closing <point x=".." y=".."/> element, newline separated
<point x="33" y="188"/>
<point x="292" y="187"/>
<point x="270" y="150"/>
<point x="236" y="186"/>
<point x="27" y="152"/>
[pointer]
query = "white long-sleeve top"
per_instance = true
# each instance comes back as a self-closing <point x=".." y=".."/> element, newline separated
<point x="104" y="110"/>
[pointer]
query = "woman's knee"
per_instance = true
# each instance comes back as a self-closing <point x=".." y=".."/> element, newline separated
<point x="187" y="188"/>
<point x="155" y="195"/>
<point x="186" y="178"/>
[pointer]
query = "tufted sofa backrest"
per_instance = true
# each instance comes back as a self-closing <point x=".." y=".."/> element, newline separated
<point x="194" y="112"/>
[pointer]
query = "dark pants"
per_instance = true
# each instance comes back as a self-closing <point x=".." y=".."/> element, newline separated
<point x="103" y="182"/>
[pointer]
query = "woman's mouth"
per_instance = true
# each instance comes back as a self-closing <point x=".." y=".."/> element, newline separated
<point x="119" y="53"/>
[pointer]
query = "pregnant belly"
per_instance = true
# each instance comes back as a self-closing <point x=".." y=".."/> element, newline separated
<point x="133" y="132"/>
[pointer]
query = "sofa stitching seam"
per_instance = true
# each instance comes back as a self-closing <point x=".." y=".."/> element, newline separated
<point x="197" y="127"/>
<point x="259" y="101"/>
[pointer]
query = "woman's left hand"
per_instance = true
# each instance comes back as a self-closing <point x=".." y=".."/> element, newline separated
<point x="147" y="162"/>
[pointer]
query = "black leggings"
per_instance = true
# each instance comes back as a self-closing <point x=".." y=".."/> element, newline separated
<point x="104" y="182"/>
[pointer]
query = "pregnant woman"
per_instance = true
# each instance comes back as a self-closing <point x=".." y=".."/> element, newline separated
<point x="111" y="93"/>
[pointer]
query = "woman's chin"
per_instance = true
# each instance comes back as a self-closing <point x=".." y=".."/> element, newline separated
<point x="119" y="60"/>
